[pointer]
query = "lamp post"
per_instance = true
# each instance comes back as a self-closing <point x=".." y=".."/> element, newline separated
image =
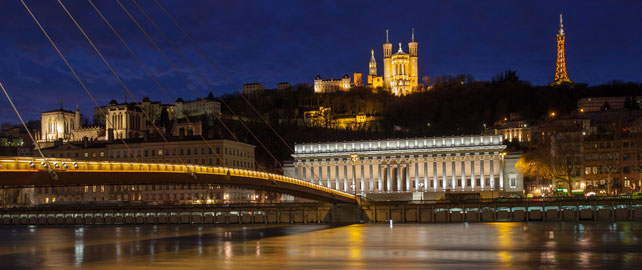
<point x="355" y="159"/>
<point x="421" y="187"/>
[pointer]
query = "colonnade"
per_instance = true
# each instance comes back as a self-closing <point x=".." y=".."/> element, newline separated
<point x="458" y="172"/>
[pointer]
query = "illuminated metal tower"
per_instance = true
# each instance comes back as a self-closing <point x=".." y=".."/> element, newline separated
<point x="560" y="71"/>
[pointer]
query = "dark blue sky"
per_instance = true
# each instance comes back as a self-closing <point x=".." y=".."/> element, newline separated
<point x="293" y="41"/>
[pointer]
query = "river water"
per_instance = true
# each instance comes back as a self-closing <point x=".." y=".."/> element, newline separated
<point x="536" y="245"/>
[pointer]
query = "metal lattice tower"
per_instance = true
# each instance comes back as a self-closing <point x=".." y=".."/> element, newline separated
<point x="561" y="76"/>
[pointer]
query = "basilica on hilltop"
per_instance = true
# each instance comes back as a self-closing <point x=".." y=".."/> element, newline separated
<point x="400" y="72"/>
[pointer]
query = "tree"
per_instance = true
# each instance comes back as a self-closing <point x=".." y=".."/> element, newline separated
<point x="557" y="161"/>
<point x="426" y="80"/>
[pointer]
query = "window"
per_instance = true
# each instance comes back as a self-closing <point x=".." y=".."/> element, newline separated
<point x="153" y="153"/>
<point x="512" y="180"/>
<point x="86" y="154"/>
<point x="189" y="151"/>
<point x="182" y="153"/>
<point x="102" y="154"/>
<point x="146" y="153"/>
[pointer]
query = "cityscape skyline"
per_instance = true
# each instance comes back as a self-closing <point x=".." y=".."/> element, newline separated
<point x="483" y="46"/>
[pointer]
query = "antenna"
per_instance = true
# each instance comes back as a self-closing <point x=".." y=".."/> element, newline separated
<point x="413" y="34"/>
<point x="387" y="36"/>
<point x="561" y="25"/>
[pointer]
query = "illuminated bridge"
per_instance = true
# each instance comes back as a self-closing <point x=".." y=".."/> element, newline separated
<point x="30" y="172"/>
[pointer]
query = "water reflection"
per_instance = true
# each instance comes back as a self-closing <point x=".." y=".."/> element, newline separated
<point x="474" y="245"/>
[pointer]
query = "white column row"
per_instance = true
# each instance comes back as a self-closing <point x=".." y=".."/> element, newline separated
<point x="458" y="172"/>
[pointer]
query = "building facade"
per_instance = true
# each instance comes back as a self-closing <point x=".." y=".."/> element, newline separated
<point x="199" y="107"/>
<point x="283" y="86"/>
<point x="58" y="125"/>
<point x="125" y="121"/>
<point x="332" y="85"/>
<point x="429" y="165"/>
<point x="225" y="153"/>
<point x="252" y="89"/>
<point x="400" y="70"/>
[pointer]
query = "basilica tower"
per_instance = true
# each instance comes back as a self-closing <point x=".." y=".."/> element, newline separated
<point x="561" y="76"/>
<point x="387" y="61"/>
<point x="413" y="72"/>
<point x="372" y="65"/>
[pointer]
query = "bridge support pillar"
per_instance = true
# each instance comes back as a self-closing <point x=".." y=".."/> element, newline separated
<point x="346" y="213"/>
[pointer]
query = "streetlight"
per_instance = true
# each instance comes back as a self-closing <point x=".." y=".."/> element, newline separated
<point x="421" y="187"/>
<point x="354" y="158"/>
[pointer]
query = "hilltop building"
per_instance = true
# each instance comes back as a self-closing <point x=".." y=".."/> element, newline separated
<point x="400" y="72"/>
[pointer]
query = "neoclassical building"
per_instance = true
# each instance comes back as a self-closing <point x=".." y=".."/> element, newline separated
<point x="438" y="164"/>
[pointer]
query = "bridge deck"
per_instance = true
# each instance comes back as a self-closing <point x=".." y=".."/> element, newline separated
<point x="27" y="172"/>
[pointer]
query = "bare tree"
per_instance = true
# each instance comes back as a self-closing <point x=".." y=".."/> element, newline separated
<point x="557" y="160"/>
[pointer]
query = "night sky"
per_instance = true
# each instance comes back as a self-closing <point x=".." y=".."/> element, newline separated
<point x="293" y="41"/>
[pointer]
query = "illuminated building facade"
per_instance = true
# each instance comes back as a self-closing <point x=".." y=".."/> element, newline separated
<point x="195" y="151"/>
<point x="432" y="165"/>
<point x="252" y="89"/>
<point x="126" y="121"/>
<point x="561" y="76"/>
<point x="332" y="85"/>
<point x="400" y="71"/>
<point x="58" y="125"/>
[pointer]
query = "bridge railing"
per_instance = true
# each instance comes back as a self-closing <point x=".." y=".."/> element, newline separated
<point x="25" y="164"/>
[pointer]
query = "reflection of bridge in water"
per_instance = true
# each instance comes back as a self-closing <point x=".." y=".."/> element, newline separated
<point x="35" y="172"/>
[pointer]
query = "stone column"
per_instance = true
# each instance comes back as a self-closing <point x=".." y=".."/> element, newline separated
<point x="297" y="167"/>
<point x="482" y="178"/>
<point x="329" y="178"/>
<point x="472" y="172"/>
<point x="345" y="176"/>
<point x="492" y="173"/>
<point x="416" y="174"/>
<point x="463" y="173"/>
<point x="444" y="177"/>
<point x="313" y="176"/>
<point x="371" y="177"/>
<point x="379" y="179"/>
<point x="320" y="175"/>
<point x="399" y="168"/>
<point x="501" y="172"/>
<point x="305" y="172"/>
<point x="425" y="174"/>
<point x="434" y="173"/>
<point x="336" y="175"/>
<point x="353" y="182"/>
<point x="363" y="180"/>
<point x="388" y="185"/>
<point x="453" y="170"/>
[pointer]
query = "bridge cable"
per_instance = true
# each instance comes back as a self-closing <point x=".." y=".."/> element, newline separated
<point x="120" y="80"/>
<point x="50" y="169"/>
<point x="201" y="77"/>
<point x="73" y="71"/>
<point x="225" y="77"/>
<point x="152" y="76"/>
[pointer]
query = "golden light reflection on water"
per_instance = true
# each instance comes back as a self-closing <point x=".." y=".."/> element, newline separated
<point x="355" y="241"/>
<point x="473" y="245"/>
<point x="505" y="240"/>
